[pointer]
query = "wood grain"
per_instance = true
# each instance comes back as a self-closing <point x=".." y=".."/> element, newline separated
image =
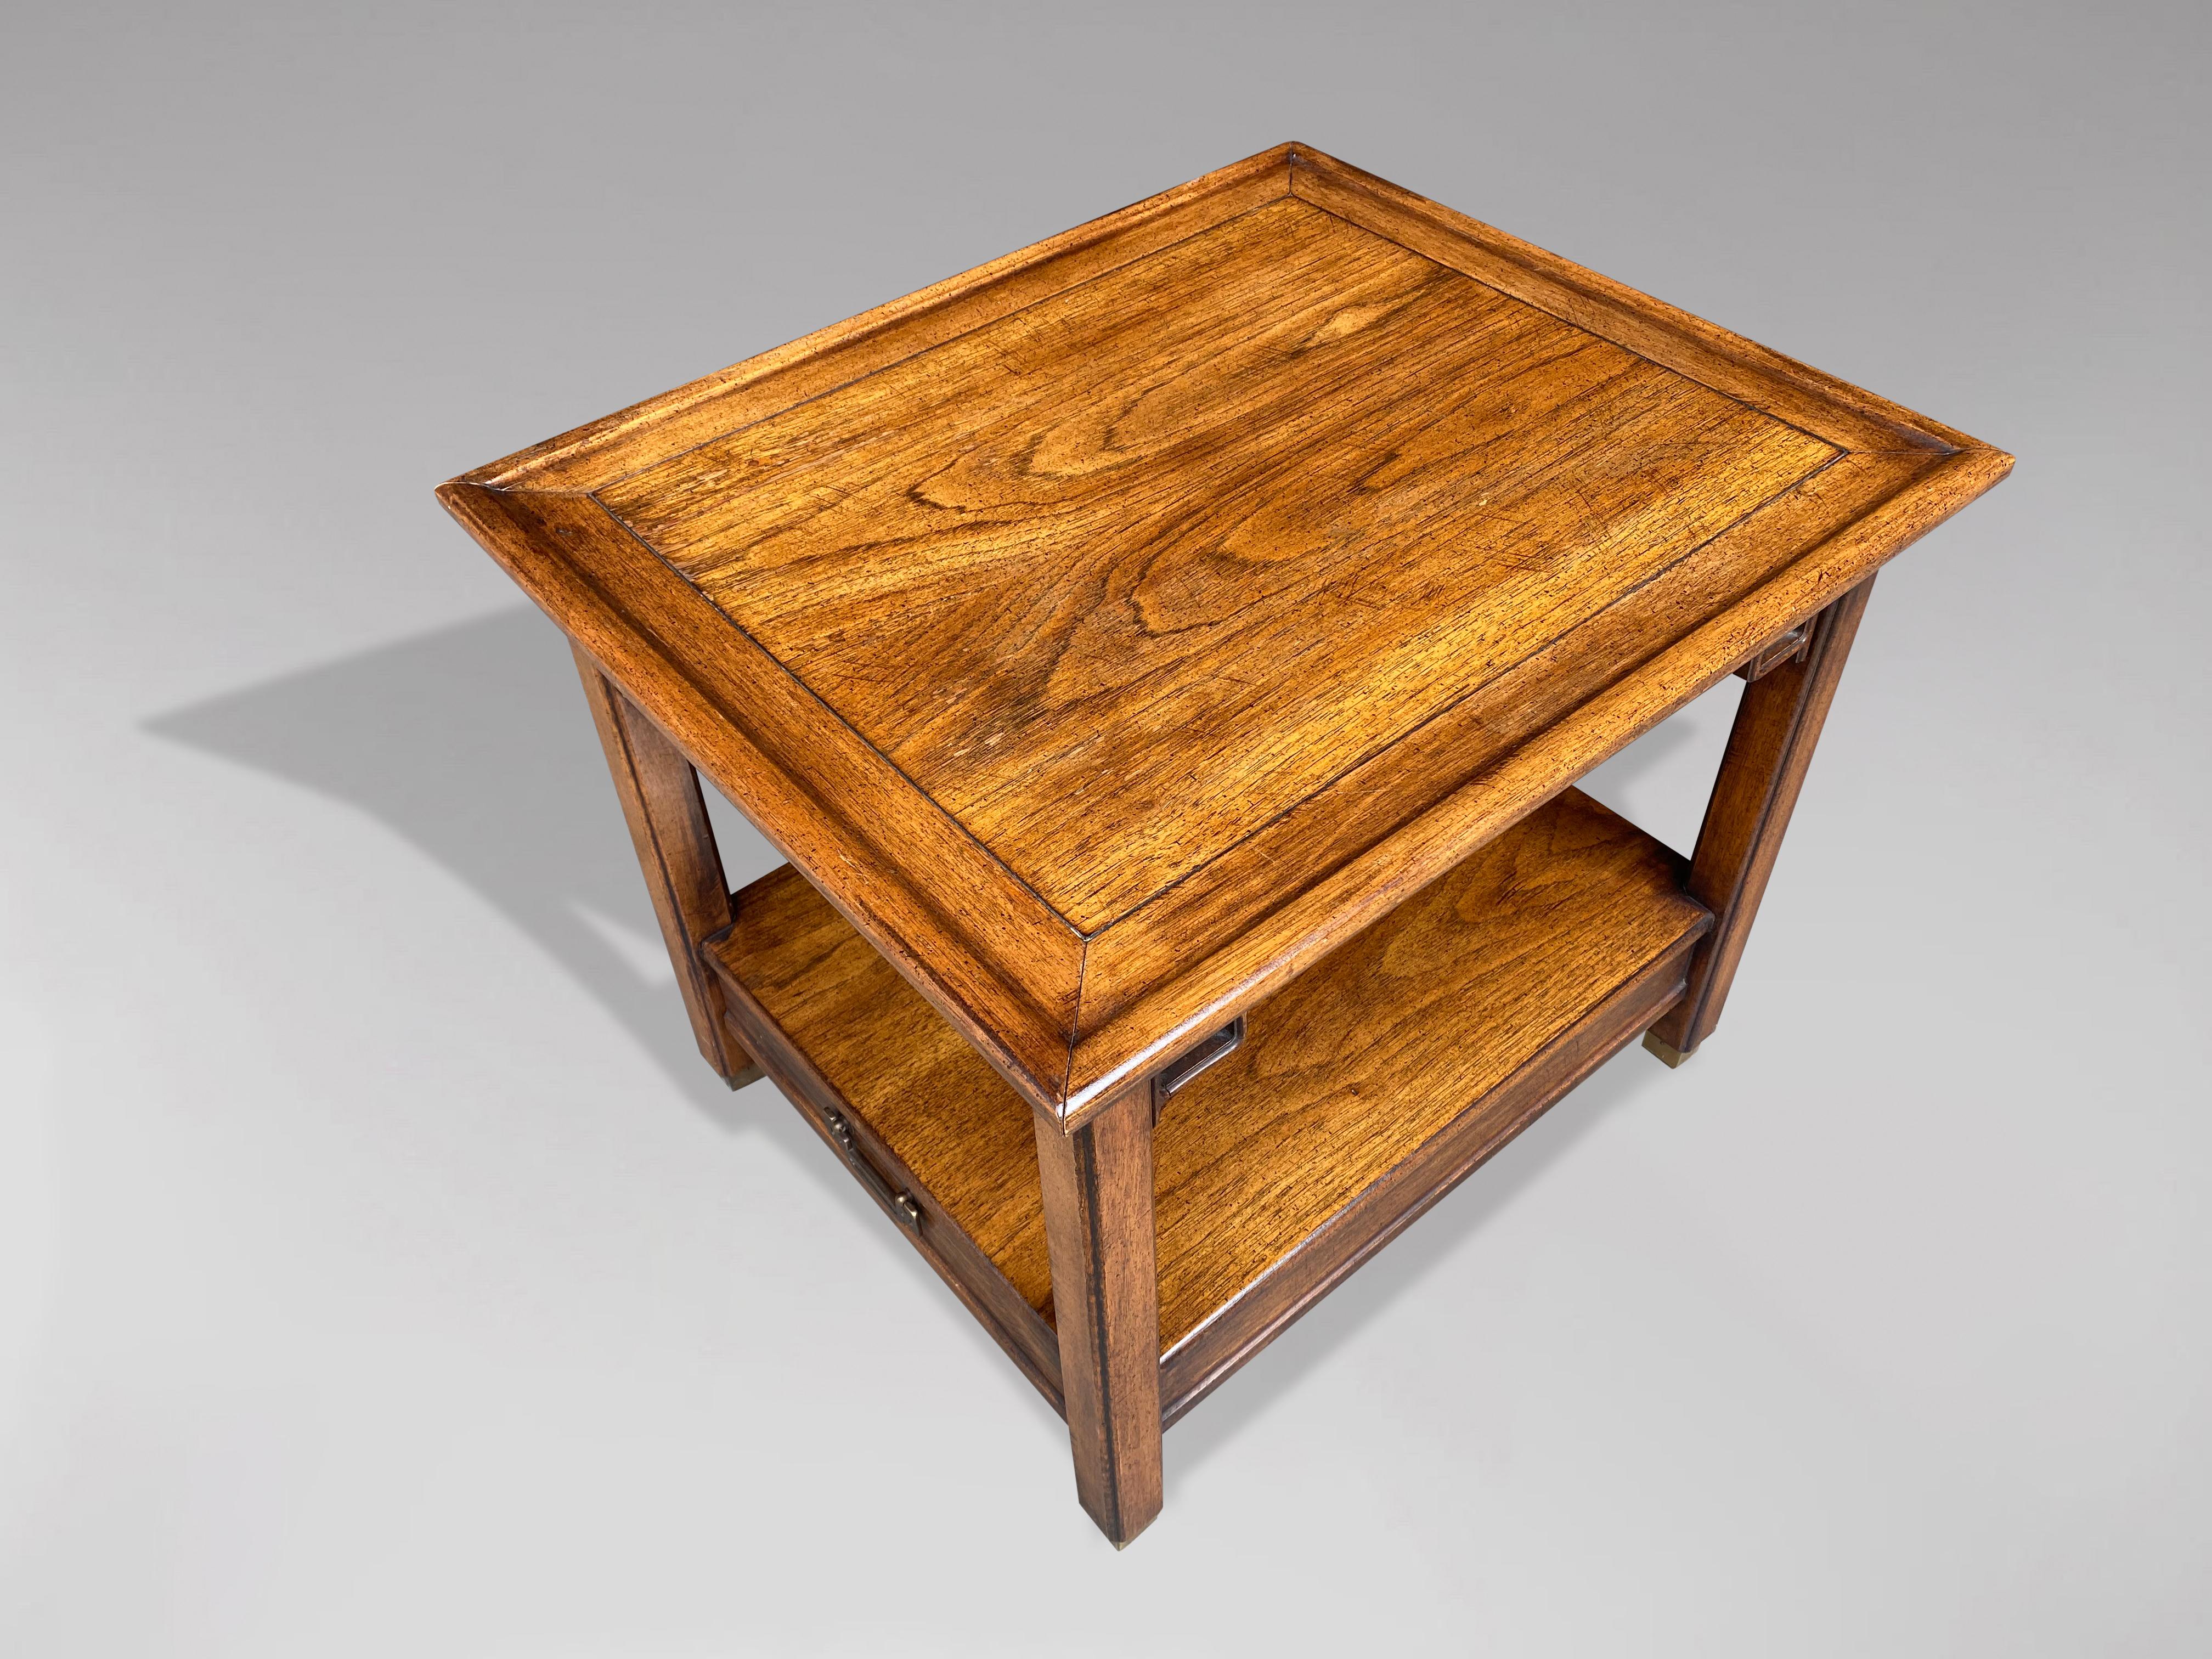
<point x="1125" y="576"/>
<point x="1097" y="1195"/>
<point x="1362" y="809"/>
<point x="1193" y="624"/>
<point x="884" y="1055"/>
<point x="1356" y="1065"/>
<point x="608" y="448"/>
<point x="994" y="961"/>
<point x="1234" y="1334"/>
<point x="1770" y="748"/>
<point x="1182" y="998"/>
<point x="1341" y="1077"/>
<point x="1025" y="1334"/>
<point x="1843" y="413"/>
<point x="675" y="845"/>
<point x="1114" y="631"/>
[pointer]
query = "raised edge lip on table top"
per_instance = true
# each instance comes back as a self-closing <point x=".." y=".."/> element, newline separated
<point x="1044" y="1048"/>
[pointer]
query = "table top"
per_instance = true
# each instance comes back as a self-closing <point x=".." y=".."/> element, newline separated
<point x="1110" y="631"/>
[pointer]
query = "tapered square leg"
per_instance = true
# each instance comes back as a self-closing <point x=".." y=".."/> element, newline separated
<point x="1106" y="1306"/>
<point x="675" y="842"/>
<point x="1770" y="747"/>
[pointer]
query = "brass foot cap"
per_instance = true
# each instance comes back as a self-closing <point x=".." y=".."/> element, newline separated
<point x="1665" y="1051"/>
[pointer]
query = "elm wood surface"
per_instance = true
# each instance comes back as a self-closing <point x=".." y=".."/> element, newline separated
<point x="801" y="786"/>
<point x="1770" y="748"/>
<point x="1422" y="1021"/>
<point x="1390" y="525"/>
<point x="1210" y="1354"/>
<point x="674" y="843"/>
<point x="1124" y="578"/>
<point x="1098" y="1196"/>
<point x="837" y="1030"/>
<point x="1357" y="1097"/>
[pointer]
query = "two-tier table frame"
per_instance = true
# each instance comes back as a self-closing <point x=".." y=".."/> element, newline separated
<point x="1163" y="656"/>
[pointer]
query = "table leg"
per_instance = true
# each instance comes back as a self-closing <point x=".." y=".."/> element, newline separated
<point x="674" y="843"/>
<point x="1106" y="1305"/>
<point x="1769" y="749"/>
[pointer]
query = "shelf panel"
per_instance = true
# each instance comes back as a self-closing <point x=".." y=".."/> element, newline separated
<point x="1281" y="1291"/>
<point x="836" y="1028"/>
<point x="1357" y="1064"/>
<point x="1446" y="1026"/>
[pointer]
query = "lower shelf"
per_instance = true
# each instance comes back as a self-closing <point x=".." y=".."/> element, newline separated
<point x="1364" y="1091"/>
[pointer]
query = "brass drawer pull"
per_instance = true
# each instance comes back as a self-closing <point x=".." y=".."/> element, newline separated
<point x="900" y="1204"/>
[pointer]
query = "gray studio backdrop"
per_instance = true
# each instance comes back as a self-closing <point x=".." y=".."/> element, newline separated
<point x="379" y="1271"/>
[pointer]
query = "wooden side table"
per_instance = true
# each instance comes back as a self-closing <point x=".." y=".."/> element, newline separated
<point x="1163" y="655"/>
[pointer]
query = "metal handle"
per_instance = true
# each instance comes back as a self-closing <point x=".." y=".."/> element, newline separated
<point x="1786" y="647"/>
<point x="1219" y="1046"/>
<point x="900" y="1203"/>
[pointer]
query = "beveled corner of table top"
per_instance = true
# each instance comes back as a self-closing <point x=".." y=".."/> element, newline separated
<point x="1111" y="630"/>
